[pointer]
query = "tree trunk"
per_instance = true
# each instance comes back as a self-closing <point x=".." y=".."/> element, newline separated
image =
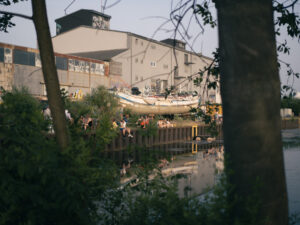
<point x="250" y="89"/>
<point x="50" y="73"/>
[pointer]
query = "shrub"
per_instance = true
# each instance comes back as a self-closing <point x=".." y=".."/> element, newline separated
<point x="292" y="103"/>
<point x="40" y="184"/>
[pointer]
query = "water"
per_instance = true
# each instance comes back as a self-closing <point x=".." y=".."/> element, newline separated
<point x="203" y="167"/>
<point x="291" y="140"/>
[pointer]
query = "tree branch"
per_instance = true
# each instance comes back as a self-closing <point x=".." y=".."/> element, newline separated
<point x="17" y="14"/>
<point x="291" y="5"/>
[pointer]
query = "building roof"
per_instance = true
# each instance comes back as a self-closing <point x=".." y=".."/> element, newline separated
<point x="87" y="10"/>
<point x="100" y="55"/>
<point x="172" y="40"/>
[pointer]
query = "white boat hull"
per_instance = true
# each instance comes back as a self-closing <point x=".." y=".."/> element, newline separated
<point x="152" y="105"/>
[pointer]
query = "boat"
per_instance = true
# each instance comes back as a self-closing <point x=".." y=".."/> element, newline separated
<point x="157" y="104"/>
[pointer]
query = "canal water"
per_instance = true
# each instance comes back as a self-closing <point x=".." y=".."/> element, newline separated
<point x="204" y="167"/>
<point x="203" y="164"/>
<point x="291" y="146"/>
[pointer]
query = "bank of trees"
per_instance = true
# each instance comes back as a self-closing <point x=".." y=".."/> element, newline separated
<point x="40" y="184"/>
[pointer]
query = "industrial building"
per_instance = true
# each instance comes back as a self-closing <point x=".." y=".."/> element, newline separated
<point x="135" y="61"/>
<point x="21" y="67"/>
<point x="88" y="54"/>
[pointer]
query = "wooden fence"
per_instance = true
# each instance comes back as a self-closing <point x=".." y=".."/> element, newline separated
<point x="172" y="135"/>
<point x="289" y="124"/>
<point x="163" y="136"/>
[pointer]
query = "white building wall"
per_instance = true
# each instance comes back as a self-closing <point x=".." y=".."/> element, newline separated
<point x="84" y="39"/>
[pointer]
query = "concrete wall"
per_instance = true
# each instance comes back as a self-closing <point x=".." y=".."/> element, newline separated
<point x="30" y="77"/>
<point x="97" y="80"/>
<point x="6" y="76"/>
<point x="63" y="77"/>
<point x="84" y="39"/>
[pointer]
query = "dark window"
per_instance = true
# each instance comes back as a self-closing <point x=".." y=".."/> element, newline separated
<point x="23" y="57"/>
<point x="186" y="58"/>
<point x="1" y="54"/>
<point x="61" y="63"/>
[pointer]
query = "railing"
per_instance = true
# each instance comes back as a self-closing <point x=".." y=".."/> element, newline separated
<point x="289" y="124"/>
<point x="175" y="135"/>
<point x="162" y="136"/>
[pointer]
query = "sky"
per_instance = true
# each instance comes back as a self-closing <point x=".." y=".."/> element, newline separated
<point x="136" y="16"/>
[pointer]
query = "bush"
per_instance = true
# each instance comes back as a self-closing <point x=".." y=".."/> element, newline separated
<point x="291" y="103"/>
<point x="40" y="184"/>
<point x="101" y="106"/>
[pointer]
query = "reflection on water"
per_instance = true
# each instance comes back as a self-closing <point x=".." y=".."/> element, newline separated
<point x="291" y="143"/>
<point x="202" y="169"/>
<point x="203" y="163"/>
<point x="205" y="166"/>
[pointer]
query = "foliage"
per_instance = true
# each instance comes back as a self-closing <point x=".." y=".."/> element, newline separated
<point x="101" y="101"/>
<point x="39" y="183"/>
<point x="208" y="118"/>
<point x="291" y="103"/>
<point x="101" y="106"/>
<point x="287" y="18"/>
<point x="178" y="118"/>
<point x="150" y="130"/>
<point x="151" y="198"/>
<point x="5" y="19"/>
<point x="204" y="11"/>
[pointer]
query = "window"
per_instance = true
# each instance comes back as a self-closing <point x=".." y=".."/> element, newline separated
<point x="153" y="64"/>
<point x="186" y="58"/>
<point x="98" y="22"/>
<point x="71" y="65"/>
<point x="163" y="85"/>
<point x="136" y="78"/>
<point x="84" y="66"/>
<point x="153" y="46"/>
<point x="180" y="45"/>
<point x="136" y="41"/>
<point x="136" y="60"/>
<point x="142" y="43"/>
<point x="142" y="61"/>
<point x="23" y="57"/>
<point x="38" y="62"/>
<point x="76" y="66"/>
<point x="58" y="28"/>
<point x="61" y="63"/>
<point x="79" y="66"/>
<point x="7" y="55"/>
<point x="165" y="66"/>
<point x="1" y="54"/>
<point x="97" y="68"/>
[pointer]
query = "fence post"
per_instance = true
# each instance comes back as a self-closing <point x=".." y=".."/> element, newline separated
<point x="194" y="131"/>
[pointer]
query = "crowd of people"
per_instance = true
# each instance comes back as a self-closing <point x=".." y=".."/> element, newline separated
<point x="164" y="123"/>
<point x="142" y="122"/>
